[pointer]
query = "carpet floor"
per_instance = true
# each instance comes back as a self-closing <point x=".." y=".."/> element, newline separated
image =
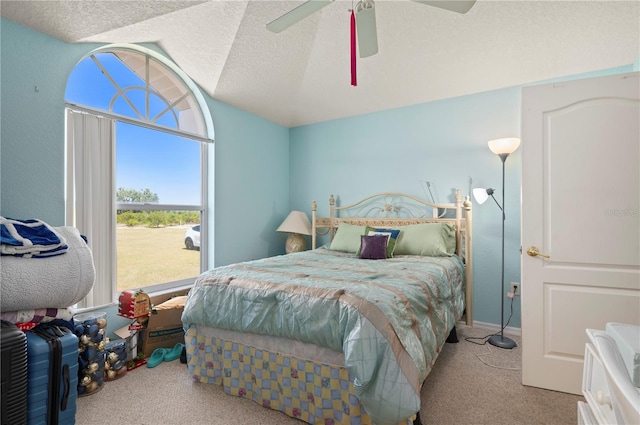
<point x="469" y="385"/>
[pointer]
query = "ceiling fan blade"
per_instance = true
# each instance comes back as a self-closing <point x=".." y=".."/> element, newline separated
<point x="460" y="6"/>
<point x="295" y="15"/>
<point x="366" y="27"/>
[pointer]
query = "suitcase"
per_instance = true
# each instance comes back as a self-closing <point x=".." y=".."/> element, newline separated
<point x="13" y="395"/>
<point x="52" y="375"/>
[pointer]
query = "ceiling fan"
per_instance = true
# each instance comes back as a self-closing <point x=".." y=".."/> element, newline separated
<point x="365" y="18"/>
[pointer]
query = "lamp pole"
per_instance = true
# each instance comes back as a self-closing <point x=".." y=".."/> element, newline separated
<point x="501" y="340"/>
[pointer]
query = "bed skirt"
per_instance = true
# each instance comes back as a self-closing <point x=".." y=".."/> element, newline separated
<point x="311" y="391"/>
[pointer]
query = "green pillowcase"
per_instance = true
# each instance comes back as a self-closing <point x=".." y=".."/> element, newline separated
<point x="427" y="239"/>
<point x="347" y="238"/>
<point x="449" y="236"/>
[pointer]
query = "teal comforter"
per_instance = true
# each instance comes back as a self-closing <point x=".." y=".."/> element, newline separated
<point x="389" y="317"/>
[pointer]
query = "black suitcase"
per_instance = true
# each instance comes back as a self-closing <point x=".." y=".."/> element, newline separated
<point x="53" y="375"/>
<point x="14" y="375"/>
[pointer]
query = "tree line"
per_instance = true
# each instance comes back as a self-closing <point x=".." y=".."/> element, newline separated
<point x="150" y="218"/>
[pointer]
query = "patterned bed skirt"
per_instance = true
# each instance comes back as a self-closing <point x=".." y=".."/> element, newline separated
<point x="314" y="392"/>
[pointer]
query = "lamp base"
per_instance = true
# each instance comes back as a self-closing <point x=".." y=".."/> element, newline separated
<point x="295" y="243"/>
<point x="502" y="341"/>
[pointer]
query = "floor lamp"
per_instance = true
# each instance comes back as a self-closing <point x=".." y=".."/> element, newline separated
<point x="503" y="148"/>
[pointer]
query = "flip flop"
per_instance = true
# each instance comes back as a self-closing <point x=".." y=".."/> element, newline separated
<point x="157" y="357"/>
<point x="174" y="353"/>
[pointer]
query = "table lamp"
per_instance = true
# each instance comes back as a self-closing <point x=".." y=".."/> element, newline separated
<point x="296" y="224"/>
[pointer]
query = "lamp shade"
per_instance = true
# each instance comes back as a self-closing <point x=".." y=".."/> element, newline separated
<point x="504" y="146"/>
<point x="296" y="222"/>
<point x="480" y="194"/>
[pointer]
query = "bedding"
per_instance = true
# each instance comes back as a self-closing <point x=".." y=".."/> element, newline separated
<point x="27" y="319"/>
<point x="432" y="239"/>
<point x="30" y="238"/>
<point x="389" y="318"/>
<point x="327" y="337"/>
<point x="53" y="282"/>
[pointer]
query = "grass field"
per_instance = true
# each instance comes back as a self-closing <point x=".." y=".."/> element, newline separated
<point x="148" y="256"/>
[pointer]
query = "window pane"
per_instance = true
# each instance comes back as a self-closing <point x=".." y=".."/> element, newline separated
<point x="156" y="247"/>
<point x="120" y="72"/>
<point x="87" y="85"/>
<point x="169" y="117"/>
<point x="167" y="165"/>
<point x="156" y="173"/>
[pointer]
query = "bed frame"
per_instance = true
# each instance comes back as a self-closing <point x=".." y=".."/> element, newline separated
<point x="392" y="209"/>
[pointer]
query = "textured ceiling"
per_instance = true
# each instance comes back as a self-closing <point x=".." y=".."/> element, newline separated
<point x="302" y="75"/>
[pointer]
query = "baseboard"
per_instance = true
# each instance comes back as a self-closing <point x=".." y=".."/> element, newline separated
<point x="496" y="328"/>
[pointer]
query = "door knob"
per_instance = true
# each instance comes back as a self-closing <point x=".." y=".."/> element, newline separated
<point x="533" y="252"/>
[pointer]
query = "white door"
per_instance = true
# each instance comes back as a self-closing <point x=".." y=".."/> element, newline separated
<point x="580" y="206"/>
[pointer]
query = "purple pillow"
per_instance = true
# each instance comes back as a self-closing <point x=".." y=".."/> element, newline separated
<point x="373" y="247"/>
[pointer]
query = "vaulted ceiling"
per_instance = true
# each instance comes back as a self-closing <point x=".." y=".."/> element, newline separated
<point x="302" y="75"/>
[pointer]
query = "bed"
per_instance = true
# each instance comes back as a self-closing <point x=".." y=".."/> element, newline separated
<point x="343" y="333"/>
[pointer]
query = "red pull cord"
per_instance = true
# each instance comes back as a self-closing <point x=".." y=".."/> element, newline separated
<point x="354" y="80"/>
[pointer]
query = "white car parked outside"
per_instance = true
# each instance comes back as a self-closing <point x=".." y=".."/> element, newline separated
<point x="192" y="237"/>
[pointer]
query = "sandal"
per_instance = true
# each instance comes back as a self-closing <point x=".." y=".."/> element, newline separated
<point x="157" y="357"/>
<point x="174" y="353"/>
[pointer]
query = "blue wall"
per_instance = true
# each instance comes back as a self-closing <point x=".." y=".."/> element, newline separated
<point x="248" y="206"/>
<point x="263" y="170"/>
<point x="443" y="142"/>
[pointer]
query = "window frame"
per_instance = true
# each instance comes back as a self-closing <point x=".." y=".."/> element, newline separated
<point x="205" y="140"/>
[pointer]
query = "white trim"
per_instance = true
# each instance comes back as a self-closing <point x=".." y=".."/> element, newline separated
<point x="133" y="121"/>
<point x="496" y="328"/>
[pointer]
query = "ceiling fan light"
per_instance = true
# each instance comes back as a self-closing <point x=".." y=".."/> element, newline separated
<point x="366" y="27"/>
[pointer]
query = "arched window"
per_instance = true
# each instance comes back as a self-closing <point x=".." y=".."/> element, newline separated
<point x="138" y="132"/>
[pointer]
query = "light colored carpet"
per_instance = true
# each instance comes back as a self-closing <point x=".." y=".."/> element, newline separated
<point x="461" y="389"/>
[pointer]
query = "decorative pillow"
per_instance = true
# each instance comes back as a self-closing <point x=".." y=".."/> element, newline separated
<point x="393" y="237"/>
<point x="427" y="239"/>
<point x="373" y="247"/>
<point x="347" y="238"/>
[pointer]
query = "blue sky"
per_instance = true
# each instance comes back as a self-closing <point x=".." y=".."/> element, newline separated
<point x="166" y="164"/>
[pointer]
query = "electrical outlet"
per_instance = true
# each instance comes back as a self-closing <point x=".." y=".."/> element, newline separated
<point x="515" y="289"/>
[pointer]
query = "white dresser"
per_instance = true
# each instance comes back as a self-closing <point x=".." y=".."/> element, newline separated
<point x="611" y="376"/>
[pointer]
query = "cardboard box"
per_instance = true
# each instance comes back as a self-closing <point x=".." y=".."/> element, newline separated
<point x="162" y="329"/>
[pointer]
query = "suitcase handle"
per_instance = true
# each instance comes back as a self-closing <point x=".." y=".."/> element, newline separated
<point x="67" y="387"/>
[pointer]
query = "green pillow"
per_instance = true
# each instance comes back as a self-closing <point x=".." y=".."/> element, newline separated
<point x="427" y="239"/>
<point x="347" y="237"/>
<point x="449" y="236"/>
